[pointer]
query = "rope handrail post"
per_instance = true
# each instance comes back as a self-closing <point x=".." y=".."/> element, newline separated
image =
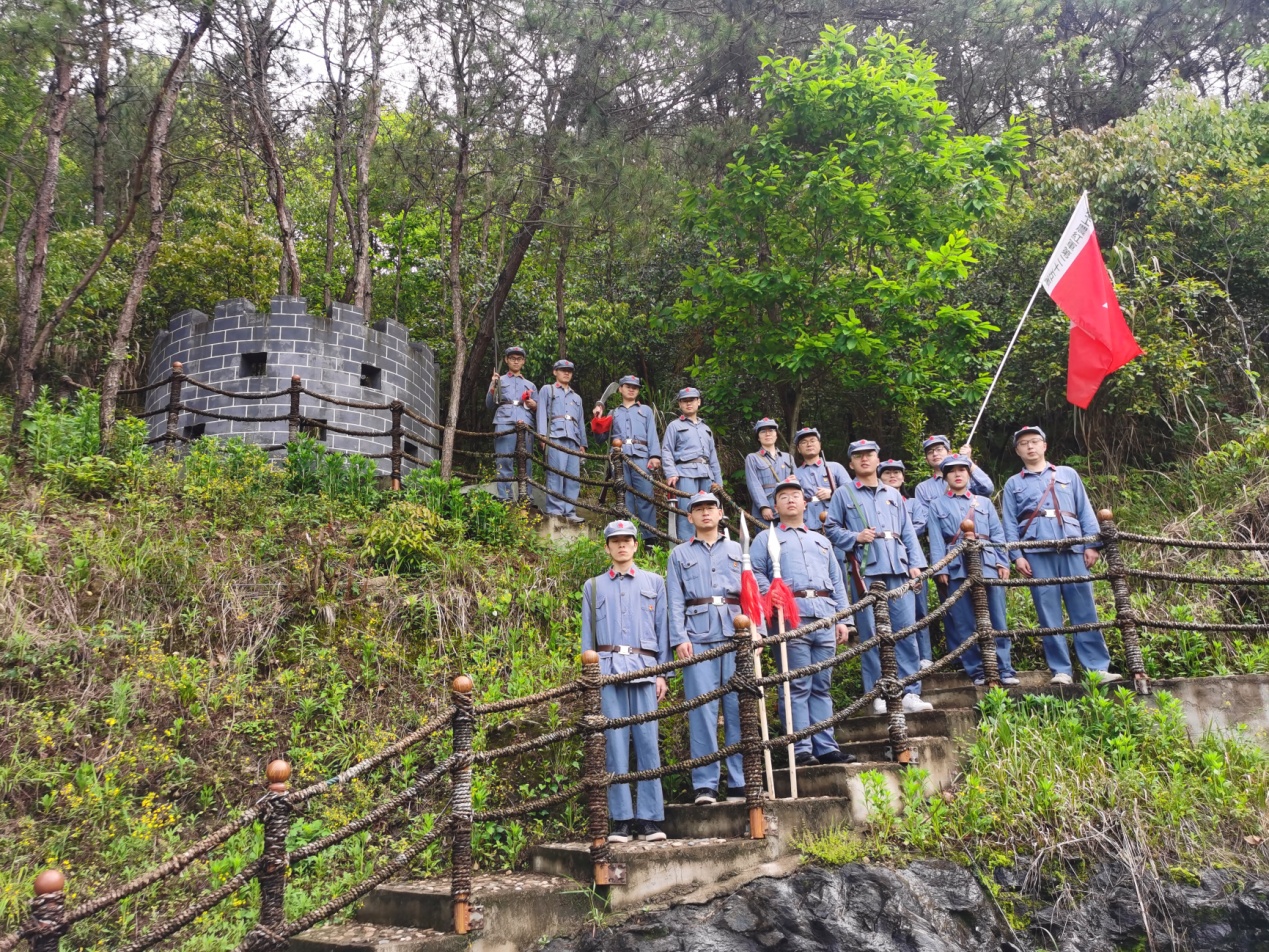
<point x="397" y="431"/>
<point x="173" y="405"/>
<point x="595" y="769"/>
<point x="293" y="418"/>
<point x="277" y="826"/>
<point x="522" y="461"/>
<point x="749" y="696"/>
<point x="617" y="479"/>
<point x="464" y="723"/>
<point x="984" y="633"/>
<point x="1125" y="618"/>
<point x="899" y="748"/>
<point x="48" y="910"/>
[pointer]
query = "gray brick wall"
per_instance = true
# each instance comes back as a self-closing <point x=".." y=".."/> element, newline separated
<point x="326" y="352"/>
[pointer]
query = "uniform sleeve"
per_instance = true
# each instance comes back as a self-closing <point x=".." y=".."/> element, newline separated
<point x="491" y="400"/>
<point x="753" y="481"/>
<point x="1084" y="509"/>
<point x="761" y="560"/>
<point x="654" y="442"/>
<point x="919" y="515"/>
<point x="588" y="612"/>
<point x="667" y="451"/>
<point x="676" y="601"/>
<point x="715" y="469"/>
<point x="994" y="527"/>
<point x="835" y="526"/>
<point x="840" y="598"/>
<point x="663" y="642"/>
<point x="1009" y="517"/>
<point x="934" y="534"/>
<point x="544" y="415"/>
<point x="804" y="476"/>
<point x="916" y="558"/>
<point x="979" y="482"/>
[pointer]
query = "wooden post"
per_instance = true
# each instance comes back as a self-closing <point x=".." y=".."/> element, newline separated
<point x="277" y="825"/>
<point x="595" y="769"/>
<point x="890" y="676"/>
<point x="397" y="407"/>
<point x="522" y="461"/>
<point x="464" y="723"/>
<point x="174" y="404"/>
<point x="48" y="909"/>
<point x="984" y="633"/>
<point x="1125" y="617"/>
<point x="293" y="416"/>
<point x="750" y="730"/>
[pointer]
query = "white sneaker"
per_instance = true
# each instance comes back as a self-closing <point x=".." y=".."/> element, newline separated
<point x="912" y="704"/>
<point x="1060" y="679"/>
<point x="1106" y="677"/>
<point x="879" y="706"/>
<point x="925" y="663"/>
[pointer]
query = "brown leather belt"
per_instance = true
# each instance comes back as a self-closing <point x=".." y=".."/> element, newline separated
<point x="712" y="600"/>
<point x="694" y="459"/>
<point x="1046" y="513"/>
<point x="564" y="416"/>
<point x="812" y="593"/>
<point x="638" y="442"/>
<point x="626" y="649"/>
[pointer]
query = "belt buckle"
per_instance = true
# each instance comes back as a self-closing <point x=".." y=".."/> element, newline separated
<point x="1050" y="513"/>
<point x="716" y="600"/>
<point x="623" y="649"/>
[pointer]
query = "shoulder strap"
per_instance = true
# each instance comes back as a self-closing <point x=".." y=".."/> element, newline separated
<point x="594" y="628"/>
<point x="1040" y="504"/>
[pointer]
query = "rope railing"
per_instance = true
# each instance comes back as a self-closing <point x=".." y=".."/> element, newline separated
<point x="445" y="787"/>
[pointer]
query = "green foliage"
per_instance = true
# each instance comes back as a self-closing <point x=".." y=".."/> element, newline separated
<point x="63" y="441"/>
<point x="405" y="536"/>
<point x="483" y="516"/>
<point x="347" y="478"/>
<point x="835" y="236"/>
<point x="230" y="478"/>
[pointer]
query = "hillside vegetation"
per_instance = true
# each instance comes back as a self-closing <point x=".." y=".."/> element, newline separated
<point x="171" y="626"/>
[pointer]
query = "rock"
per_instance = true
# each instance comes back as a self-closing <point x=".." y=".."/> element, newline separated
<point x="931" y="906"/>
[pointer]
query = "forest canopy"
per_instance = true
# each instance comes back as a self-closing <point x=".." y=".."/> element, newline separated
<point x="832" y="213"/>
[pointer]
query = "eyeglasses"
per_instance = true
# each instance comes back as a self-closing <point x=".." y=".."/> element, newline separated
<point x="1030" y="443"/>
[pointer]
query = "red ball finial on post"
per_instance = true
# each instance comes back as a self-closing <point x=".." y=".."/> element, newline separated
<point x="740" y="622"/>
<point x="278" y="773"/>
<point x="590" y="657"/>
<point x="967" y="526"/>
<point x="618" y="443"/>
<point x="178" y="367"/>
<point x="1105" y="515"/>
<point x="462" y="684"/>
<point x="50" y="881"/>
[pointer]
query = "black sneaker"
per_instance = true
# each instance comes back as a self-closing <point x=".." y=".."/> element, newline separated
<point x="648" y="830"/>
<point x="806" y="760"/>
<point x="705" y="796"/>
<point x="735" y="794"/>
<point x="838" y="757"/>
<point x="620" y="832"/>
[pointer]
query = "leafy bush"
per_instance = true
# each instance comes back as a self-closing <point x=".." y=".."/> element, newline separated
<point x="230" y="477"/>
<point x="312" y="469"/>
<point x="484" y="517"/>
<point x="62" y="432"/>
<point x="405" y="536"/>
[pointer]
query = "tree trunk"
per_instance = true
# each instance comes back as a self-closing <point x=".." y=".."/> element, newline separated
<point x="101" y="105"/>
<point x="790" y="395"/>
<point x="365" y="148"/>
<point x="164" y="109"/>
<point x="561" y="322"/>
<point x="462" y="103"/>
<point x="33" y="242"/>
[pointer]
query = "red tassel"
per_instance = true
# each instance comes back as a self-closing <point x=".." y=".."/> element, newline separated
<point x="751" y="598"/>
<point x="601" y="424"/>
<point x="524" y="396"/>
<point x="780" y="597"/>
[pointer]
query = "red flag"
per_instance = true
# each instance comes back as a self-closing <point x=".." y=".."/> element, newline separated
<point x="1078" y="282"/>
<point x="601" y="424"/>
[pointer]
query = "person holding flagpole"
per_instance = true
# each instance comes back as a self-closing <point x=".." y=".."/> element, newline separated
<point x="1049" y="502"/>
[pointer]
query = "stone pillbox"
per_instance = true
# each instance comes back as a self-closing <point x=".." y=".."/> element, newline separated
<point x="1026" y="431"/>
<point x="932" y="441"/>
<point x="891" y="464"/>
<point x="955" y="460"/>
<point x="336" y="353"/>
<point x="804" y="433"/>
<point x="702" y="498"/>
<point x="862" y="446"/>
<point x="619" y="528"/>
<point x="689" y="393"/>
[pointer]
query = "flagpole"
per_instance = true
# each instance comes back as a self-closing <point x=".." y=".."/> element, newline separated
<point x="1008" y="350"/>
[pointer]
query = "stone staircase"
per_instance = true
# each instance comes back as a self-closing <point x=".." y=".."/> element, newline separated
<point x="707" y="855"/>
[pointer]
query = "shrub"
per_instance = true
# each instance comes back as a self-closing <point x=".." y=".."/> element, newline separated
<point x="312" y="469"/>
<point x="405" y="536"/>
<point x="230" y="477"/>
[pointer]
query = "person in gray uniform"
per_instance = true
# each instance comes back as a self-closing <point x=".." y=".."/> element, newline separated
<point x="624" y="619"/>
<point x="561" y="420"/>
<point x="765" y="469"/>
<point x="635" y="425"/>
<point x="688" y="455"/>
<point x="892" y="472"/>
<point x="513" y="399"/>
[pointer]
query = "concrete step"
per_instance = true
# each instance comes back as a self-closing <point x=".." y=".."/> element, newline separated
<point x="936" y="755"/>
<point x="953" y="722"/>
<point x="515" y="909"/>
<point x="368" y="937"/>
<point x="954" y="682"/>
<point x="785" y="818"/>
<point x="654" y="870"/>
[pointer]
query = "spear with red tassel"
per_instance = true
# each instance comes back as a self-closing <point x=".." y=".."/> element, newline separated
<point x="751" y="605"/>
<point x="781" y="606"/>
